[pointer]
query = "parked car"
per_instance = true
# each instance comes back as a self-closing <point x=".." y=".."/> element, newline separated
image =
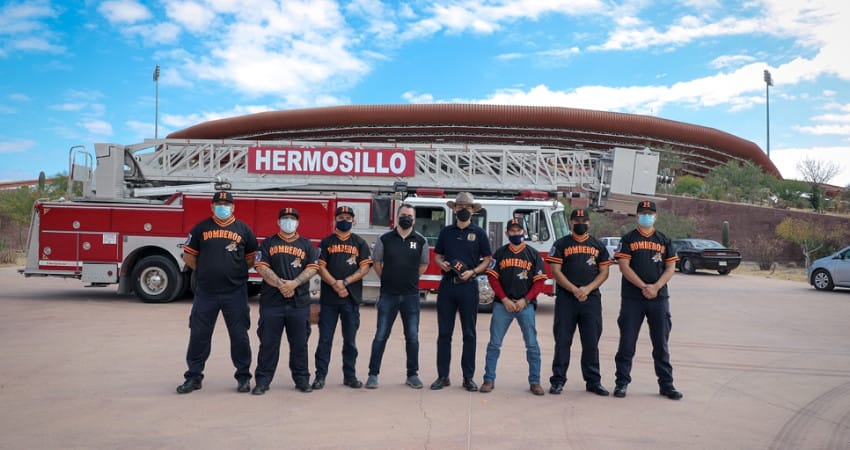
<point x="706" y="254"/>
<point x="831" y="271"/>
<point x="611" y="243"/>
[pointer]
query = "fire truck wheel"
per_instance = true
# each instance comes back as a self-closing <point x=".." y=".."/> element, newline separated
<point x="156" y="279"/>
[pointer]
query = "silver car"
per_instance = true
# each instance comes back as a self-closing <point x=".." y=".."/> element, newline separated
<point x="611" y="243"/>
<point x="831" y="271"/>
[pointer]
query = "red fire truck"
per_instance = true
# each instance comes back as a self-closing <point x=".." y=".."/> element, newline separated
<point x="140" y="201"/>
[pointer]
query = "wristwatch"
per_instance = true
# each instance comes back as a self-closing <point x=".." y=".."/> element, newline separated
<point x="345" y="283"/>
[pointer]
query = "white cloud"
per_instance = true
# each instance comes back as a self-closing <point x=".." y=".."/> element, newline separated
<point x="414" y="97"/>
<point x="786" y="161"/>
<point x="16" y="146"/>
<point x="96" y="127"/>
<point x="193" y="16"/>
<point x="177" y="121"/>
<point x="121" y="12"/>
<point x="19" y="98"/>
<point x="726" y="61"/>
<point x="68" y="106"/>
<point x="23" y="28"/>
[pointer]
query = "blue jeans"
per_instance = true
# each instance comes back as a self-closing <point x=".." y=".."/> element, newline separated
<point x="499" y="323"/>
<point x="329" y="315"/>
<point x="389" y="307"/>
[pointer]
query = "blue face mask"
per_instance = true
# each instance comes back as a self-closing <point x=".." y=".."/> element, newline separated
<point x="343" y="225"/>
<point x="288" y="225"/>
<point x="223" y="212"/>
<point x="516" y="239"/>
<point x="646" y="220"/>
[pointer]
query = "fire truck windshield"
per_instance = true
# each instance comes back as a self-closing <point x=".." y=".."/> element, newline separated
<point x="559" y="224"/>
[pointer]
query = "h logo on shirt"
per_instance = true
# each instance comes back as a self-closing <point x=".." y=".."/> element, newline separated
<point x="413" y="245"/>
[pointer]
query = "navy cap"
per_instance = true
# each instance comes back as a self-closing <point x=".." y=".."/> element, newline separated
<point x="579" y="214"/>
<point x="646" y="205"/>
<point x="344" y="210"/>
<point x="515" y="223"/>
<point x="288" y="212"/>
<point x="222" y="196"/>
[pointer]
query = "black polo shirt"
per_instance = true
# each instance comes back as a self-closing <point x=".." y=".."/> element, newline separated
<point x="287" y="258"/>
<point x="401" y="258"/>
<point x="648" y="255"/>
<point x="342" y="254"/>
<point x="468" y="244"/>
<point x="222" y="248"/>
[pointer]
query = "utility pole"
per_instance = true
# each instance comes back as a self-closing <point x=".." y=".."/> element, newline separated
<point x="156" y="96"/>
<point x="768" y="81"/>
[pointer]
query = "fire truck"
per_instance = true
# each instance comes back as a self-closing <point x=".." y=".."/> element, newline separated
<point x="139" y="201"/>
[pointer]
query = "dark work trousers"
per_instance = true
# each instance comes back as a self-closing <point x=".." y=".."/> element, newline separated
<point x="452" y="299"/>
<point x="657" y="313"/>
<point x="389" y="306"/>
<point x="587" y="315"/>
<point x="237" y="316"/>
<point x="274" y="319"/>
<point x="349" y="314"/>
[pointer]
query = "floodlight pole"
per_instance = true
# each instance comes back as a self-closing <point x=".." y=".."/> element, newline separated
<point x="156" y="97"/>
<point x="768" y="82"/>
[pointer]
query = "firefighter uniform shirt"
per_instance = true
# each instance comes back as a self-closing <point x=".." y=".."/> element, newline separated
<point x="648" y="255"/>
<point x="287" y="259"/>
<point x="517" y="267"/>
<point x="580" y="258"/>
<point x="222" y="248"/>
<point x="342" y="254"/>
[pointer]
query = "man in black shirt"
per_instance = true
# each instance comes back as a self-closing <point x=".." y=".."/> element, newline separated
<point x="399" y="257"/>
<point x="463" y="253"/>
<point x="579" y="265"/>
<point x="344" y="260"/>
<point x="286" y="262"/>
<point x="220" y="250"/>
<point x="647" y="261"/>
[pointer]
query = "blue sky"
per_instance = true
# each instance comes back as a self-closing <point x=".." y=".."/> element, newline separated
<point x="80" y="72"/>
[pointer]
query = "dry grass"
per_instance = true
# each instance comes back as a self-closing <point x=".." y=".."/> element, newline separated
<point x="779" y="272"/>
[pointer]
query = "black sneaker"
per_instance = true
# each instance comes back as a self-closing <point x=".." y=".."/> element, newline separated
<point x="556" y="389"/>
<point x="353" y="383"/>
<point x="304" y="387"/>
<point x="260" y="389"/>
<point x="318" y="383"/>
<point x="244" y="386"/>
<point x="620" y="390"/>
<point x="189" y="386"/>
<point x="671" y="393"/>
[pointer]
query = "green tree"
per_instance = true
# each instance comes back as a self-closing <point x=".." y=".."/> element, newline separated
<point x="739" y="182"/>
<point x="808" y="235"/>
<point x="689" y="185"/>
<point x="790" y="192"/>
<point x="674" y="226"/>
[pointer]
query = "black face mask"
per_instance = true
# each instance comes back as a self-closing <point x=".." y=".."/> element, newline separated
<point x="343" y="225"/>
<point x="405" y="222"/>
<point x="580" y="228"/>
<point x="463" y="215"/>
<point x="516" y="239"/>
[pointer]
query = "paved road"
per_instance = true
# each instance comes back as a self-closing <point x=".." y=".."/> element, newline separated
<point x="763" y="364"/>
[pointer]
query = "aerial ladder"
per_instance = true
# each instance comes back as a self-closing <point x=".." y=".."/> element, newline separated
<point x="155" y="169"/>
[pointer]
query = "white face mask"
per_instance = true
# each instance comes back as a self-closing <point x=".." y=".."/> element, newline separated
<point x="288" y="225"/>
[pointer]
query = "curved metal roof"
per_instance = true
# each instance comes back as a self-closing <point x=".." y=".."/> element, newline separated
<point x="699" y="148"/>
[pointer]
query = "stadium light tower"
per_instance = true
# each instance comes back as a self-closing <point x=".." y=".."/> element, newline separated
<point x="768" y="82"/>
<point x="156" y="96"/>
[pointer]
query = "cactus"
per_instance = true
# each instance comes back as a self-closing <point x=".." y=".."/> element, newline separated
<point x="725" y="232"/>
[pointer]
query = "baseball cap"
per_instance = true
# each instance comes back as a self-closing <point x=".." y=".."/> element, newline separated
<point x="646" y="205"/>
<point x="579" y="214"/>
<point x="288" y="212"/>
<point x="515" y="223"/>
<point x="222" y="196"/>
<point x="458" y="267"/>
<point x="344" y="210"/>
